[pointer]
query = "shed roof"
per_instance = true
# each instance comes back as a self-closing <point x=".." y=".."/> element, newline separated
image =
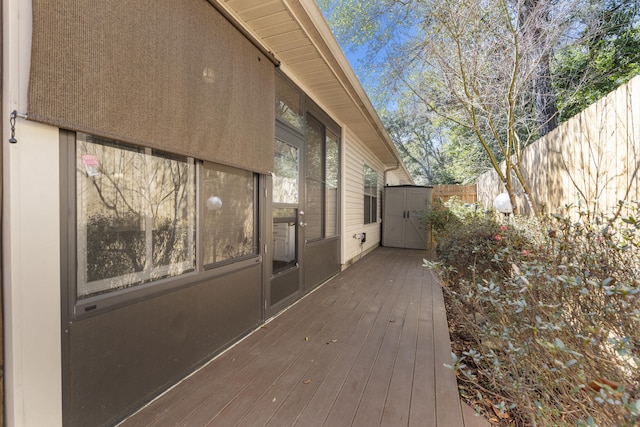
<point x="296" y="33"/>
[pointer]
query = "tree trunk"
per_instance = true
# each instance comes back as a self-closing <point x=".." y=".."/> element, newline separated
<point x="545" y="100"/>
<point x="534" y="19"/>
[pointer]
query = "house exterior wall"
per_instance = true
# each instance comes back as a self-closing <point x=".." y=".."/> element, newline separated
<point x="392" y="178"/>
<point x="31" y="243"/>
<point x="32" y="278"/>
<point x="356" y="155"/>
<point x="44" y="342"/>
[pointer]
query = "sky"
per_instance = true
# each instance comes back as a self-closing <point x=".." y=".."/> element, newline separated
<point x="360" y="60"/>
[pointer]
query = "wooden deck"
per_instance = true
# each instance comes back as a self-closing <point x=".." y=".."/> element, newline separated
<point x="368" y="348"/>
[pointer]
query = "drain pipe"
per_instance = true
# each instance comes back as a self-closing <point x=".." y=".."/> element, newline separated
<point x="396" y="167"/>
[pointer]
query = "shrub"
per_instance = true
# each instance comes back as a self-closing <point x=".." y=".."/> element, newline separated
<point x="551" y="311"/>
<point x="439" y="216"/>
<point x="474" y="244"/>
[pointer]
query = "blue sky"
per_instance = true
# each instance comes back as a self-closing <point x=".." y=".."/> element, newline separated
<point x="360" y="58"/>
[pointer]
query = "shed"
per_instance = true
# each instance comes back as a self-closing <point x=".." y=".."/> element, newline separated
<point x="402" y="217"/>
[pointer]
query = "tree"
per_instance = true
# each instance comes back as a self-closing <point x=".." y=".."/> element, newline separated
<point x="473" y="63"/>
<point x="484" y="66"/>
<point x="544" y="99"/>
<point x="420" y="149"/>
<point x="603" y="54"/>
<point x="432" y="152"/>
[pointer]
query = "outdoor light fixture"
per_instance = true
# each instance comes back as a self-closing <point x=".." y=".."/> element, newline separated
<point x="503" y="204"/>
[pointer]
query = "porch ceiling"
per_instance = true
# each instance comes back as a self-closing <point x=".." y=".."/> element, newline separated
<point x="297" y="34"/>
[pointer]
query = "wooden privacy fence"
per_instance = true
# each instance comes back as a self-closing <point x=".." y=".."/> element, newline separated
<point x="590" y="160"/>
<point x="464" y="193"/>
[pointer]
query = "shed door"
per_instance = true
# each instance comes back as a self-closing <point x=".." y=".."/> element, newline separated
<point x="402" y="223"/>
<point x="415" y="234"/>
<point x="394" y="217"/>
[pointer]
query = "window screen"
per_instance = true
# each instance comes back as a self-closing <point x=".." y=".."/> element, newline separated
<point x="332" y="162"/>
<point x="289" y="103"/>
<point x="314" y="155"/>
<point x="135" y="214"/>
<point x="229" y="217"/>
<point x="370" y="195"/>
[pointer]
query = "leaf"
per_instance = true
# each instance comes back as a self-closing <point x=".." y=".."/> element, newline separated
<point x="516" y="269"/>
<point x="500" y="414"/>
<point x="307" y="381"/>
<point x="631" y="220"/>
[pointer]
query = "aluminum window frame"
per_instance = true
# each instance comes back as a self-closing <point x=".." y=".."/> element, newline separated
<point x="78" y="308"/>
<point x="370" y="194"/>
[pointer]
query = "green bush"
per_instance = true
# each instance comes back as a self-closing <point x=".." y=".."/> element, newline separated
<point x="551" y="310"/>
<point x="440" y="216"/>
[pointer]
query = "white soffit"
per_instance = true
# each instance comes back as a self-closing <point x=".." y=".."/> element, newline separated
<point x="297" y="34"/>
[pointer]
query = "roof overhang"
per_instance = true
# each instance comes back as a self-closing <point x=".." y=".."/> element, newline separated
<point x="297" y="35"/>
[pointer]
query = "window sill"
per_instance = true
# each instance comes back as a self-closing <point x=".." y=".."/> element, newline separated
<point x="95" y="305"/>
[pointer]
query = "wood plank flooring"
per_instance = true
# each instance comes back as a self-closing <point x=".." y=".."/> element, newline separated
<point x="368" y="348"/>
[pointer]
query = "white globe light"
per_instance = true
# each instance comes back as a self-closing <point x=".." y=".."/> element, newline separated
<point x="503" y="203"/>
<point x="214" y="203"/>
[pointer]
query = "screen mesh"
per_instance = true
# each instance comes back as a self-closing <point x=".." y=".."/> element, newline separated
<point x="175" y="76"/>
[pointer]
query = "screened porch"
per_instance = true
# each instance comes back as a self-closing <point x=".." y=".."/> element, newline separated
<point x="368" y="348"/>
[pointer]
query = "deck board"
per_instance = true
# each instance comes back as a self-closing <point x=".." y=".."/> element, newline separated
<point x="348" y="399"/>
<point x="323" y="405"/>
<point x="423" y="413"/>
<point x="397" y="404"/>
<point x="448" y="411"/>
<point x="368" y="348"/>
<point x="376" y="390"/>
